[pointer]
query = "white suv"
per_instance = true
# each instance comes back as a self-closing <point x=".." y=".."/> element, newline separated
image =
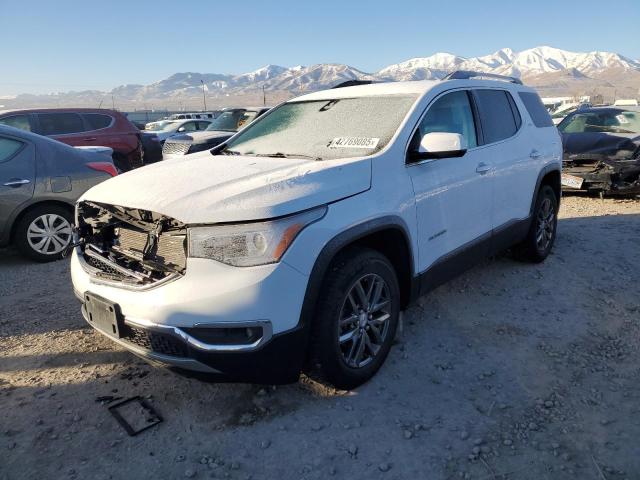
<point x="296" y="244"/>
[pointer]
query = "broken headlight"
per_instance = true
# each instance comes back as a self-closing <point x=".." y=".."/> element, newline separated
<point x="250" y="244"/>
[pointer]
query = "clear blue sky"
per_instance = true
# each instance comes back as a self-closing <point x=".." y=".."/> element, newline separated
<point x="64" y="45"/>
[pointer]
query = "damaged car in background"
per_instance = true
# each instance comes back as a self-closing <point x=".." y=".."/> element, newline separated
<point x="601" y="150"/>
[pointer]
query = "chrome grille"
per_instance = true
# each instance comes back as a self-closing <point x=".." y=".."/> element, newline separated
<point x="175" y="148"/>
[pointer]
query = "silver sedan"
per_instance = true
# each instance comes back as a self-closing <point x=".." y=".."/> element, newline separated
<point x="40" y="181"/>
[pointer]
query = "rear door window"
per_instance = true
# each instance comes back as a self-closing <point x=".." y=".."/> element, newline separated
<point x="97" y="120"/>
<point x="497" y="117"/>
<point x="8" y="148"/>
<point x="17" y="121"/>
<point x="60" y="123"/>
<point x="536" y="109"/>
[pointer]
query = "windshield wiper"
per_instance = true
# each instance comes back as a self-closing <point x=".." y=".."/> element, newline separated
<point x="286" y="155"/>
<point x="226" y="151"/>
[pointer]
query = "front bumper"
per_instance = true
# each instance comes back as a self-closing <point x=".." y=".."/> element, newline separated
<point x="156" y="321"/>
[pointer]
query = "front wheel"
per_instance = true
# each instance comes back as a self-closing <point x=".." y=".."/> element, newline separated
<point x="356" y="318"/>
<point x="542" y="233"/>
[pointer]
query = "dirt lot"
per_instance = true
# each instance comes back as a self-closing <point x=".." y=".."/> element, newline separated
<point x="512" y="371"/>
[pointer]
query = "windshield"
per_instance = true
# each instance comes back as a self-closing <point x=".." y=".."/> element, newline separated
<point x="605" y="121"/>
<point x="159" y="126"/>
<point x="325" y="129"/>
<point x="233" y="120"/>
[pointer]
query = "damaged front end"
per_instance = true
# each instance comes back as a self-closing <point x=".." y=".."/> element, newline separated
<point x="596" y="173"/>
<point x="130" y="247"/>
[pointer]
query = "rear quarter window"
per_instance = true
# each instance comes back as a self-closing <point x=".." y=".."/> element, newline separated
<point x="536" y="110"/>
<point x="97" y="120"/>
<point x="8" y="148"/>
<point x="498" y="119"/>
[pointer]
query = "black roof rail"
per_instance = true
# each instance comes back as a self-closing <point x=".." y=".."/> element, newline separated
<point x="353" y="83"/>
<point x="467" y="74"/>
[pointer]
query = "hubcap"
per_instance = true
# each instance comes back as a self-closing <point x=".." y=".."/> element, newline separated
<point x="49" y="234"/>
<point x="364" y="320"/>
<point x="545" y="224"/>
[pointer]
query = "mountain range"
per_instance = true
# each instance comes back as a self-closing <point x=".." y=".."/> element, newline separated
<point x="551" y="70"/>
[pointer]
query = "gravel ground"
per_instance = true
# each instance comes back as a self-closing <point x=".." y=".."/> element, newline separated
<point x="511" y="371"/>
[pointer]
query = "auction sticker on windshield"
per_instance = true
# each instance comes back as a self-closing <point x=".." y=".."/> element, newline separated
<point x="354" y="142"/>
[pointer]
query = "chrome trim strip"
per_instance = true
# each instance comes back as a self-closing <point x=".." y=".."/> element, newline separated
<point x="89" y="251"/>
<point x="95" y="278"/>
<point x="265" y="325"/>
<point x="153" y="357"/>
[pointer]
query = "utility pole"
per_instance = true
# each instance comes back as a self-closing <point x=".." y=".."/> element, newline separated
<point x="264" y="96"/>
<point x="204" y="98"/>
<point x="113" y="103"/>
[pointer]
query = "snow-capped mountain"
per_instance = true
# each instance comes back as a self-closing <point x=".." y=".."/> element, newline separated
<point x="534" y="61"/>
<point x="543" y="67"/>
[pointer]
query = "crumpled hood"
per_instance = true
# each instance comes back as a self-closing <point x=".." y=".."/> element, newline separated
<point x="600" y="143"/>
<point x="201" y="188"/>
<point x="200" y="137"/>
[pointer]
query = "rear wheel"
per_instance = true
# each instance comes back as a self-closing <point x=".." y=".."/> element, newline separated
<point x="356" y="318"/>
<point x="542" y="233"/>
<point x="121" y="163"/>
<point x="44" y="233"/>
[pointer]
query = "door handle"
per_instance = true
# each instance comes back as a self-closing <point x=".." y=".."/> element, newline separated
<point x="483" y="168"/>
<point x="90" y="139"/>
<point x="15" y="183"/>
<point x="535" y="154"/>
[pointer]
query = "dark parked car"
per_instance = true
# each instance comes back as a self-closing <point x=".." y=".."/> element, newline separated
<point x="83" y="127"/>
<point x="219" y="130"/>
<point x="40" y="181"/>
<point x="601" y="150"/>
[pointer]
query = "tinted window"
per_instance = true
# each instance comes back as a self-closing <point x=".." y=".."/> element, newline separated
<point x="60" y="123"/>
<point x="97" y="120"/>
<point x="496" y="115"/>
<point x="8" y="147"/>
<point x="189" y="127"/>
<point x="607" y="121"/>
<point x="17" y="121"/>
<point x="451" y="113"/>
<point x="535" y="107"/>
<point x="203" y="125"/>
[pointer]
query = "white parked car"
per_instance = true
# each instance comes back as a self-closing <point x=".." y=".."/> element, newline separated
<point x="296" y="245"/>
<point x="164" y="129"/>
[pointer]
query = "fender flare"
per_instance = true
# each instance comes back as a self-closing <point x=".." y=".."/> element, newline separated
<point x="543" y="173"/>
<point x="330" y="250"/>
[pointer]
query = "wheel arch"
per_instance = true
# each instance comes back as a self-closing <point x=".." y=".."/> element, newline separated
<point x="382" y="234"/>
<point x="59" y="203"/>
<point x="549" y="175"/>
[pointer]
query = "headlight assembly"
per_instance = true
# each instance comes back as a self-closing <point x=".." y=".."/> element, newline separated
<point x="250" y="244"/>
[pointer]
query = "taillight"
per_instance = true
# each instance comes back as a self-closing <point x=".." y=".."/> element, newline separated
<point x="103" y="167"/>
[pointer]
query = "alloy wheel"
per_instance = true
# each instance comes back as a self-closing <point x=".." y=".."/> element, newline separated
<point x="49" y="234"/>
<point x="545" y="224"/>
<point x="364" y="320"/>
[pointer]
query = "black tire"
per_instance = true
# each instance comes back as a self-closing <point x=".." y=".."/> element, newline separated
<point x="20" y="238"/>
<point x="328" y="359"/>
<point x="121" y="163"/>
<point x="532" y="249"/>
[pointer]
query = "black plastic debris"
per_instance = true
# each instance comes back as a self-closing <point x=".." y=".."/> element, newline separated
<point x="135" y="415"/>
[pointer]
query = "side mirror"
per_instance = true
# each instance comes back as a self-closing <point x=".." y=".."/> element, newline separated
<point x="437" y="145"/>
<point x="181" y="129"/>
